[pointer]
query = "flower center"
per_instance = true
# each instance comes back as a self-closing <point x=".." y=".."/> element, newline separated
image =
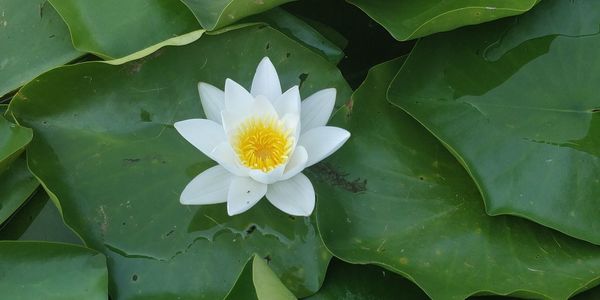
<point x="263" y="143"/>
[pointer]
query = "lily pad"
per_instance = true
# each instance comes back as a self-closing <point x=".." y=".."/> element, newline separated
<point x="13" y="139"/>
<point x="38" y="220"/>
<point x="34" y="40"/>
<point x="525" y="125"/>
<point x="16" y="185"/>
<point x="42" y="270"/>
<point x="115" y="28"/>
<point x="257" y="281"/>
<point x="110" y="141"/>
<point x="406" y="20"/>
<point x="393" y="196"/>
<point x="346" y="281"/>
<point x="214" y="14"/>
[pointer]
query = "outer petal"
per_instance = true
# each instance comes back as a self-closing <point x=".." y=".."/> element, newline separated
<point x="227" y="158"/>
<point x="243" y="193"/>
<point x="266" y="81"/>
<point x="288" y="103"/>
<point x="213" y="101"/>
<point x="296" y="163"/>
<point x="321" y="142"/>
<point x="295" y="196"/>
<point x="237" y="97"/>
<point x="209" y="187"/>
<point x="203" y="134"/>
<point x="317" y="108"/>
<point x="267" y="178"/>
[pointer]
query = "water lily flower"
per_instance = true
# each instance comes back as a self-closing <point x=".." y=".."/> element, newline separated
<point x="261" y="140"/>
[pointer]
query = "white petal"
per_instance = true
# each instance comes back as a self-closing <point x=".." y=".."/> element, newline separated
<point x="260" y="107"/>
<point x="295" y="196"/>
<point x="266" y="81"/>
<point x="289" y="102"/>
<point x="267" y="178"/>
<point x="243" y="193"/>
<point x="237" y="97"/>
<point x="203" y="134"/>
<point x="321" y="142"/>
<point x="227" y="158"/>
<point x="317" y="108"/>
<point x="292" y="123"/>
<point x="209" y="187"/>
<point x="296" y="163"/>
<point x="213" y="101"/>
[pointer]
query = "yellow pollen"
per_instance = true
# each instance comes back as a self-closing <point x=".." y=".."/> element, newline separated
<point x="263" y="143"/>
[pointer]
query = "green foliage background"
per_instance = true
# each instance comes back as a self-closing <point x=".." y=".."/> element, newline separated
<point x="473" y="168"/>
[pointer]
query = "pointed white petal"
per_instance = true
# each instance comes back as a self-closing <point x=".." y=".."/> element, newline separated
<point x="213" y="101"/>
<point x="266" y="81"/>
<point x="288" y="103"/>
<point x="227" y="158"/>
<point x="317" y="108"/>
<point x="259" y="107"/>
<point x="267" y="178"/>
<point x="295" y="196"/>
<point x="209" y="187"/>
<point x="320" y="142"/>
<point x="296" y="163"/>
<point x="243" y="193"/>
<point x="237" y="97"/>
<point x="203" y="134"/>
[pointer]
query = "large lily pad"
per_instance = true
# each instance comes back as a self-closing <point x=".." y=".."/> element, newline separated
<point x="110" y="141"/>
<point x="13" y="139"/>
<point x="52" y="271"/>
<point x="16" y="185"/>
<point x="365" y="282"/>
<point x="258" y="282"/>
<point x="406" y="19"/>
<point x="395" y="197"/>
<point x="214" y="14"/>
<point x="526" y="125"/>
<point x="115" y="28"/>
<point x="34" y="40"/>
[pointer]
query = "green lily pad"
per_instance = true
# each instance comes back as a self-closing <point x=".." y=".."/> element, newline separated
<point x="302" y="32"/>
<point x="526" y="125"/>
<point x="16" y="185"/>
<point x="111" y="142"/>
<point x="13" y="139"/>
<point x="115" y="28"/>
<point x="393" y="196"/>
<point x="365" y="282"/>
<point x="42" y="270"/>
<point x="34" y="40"/>
<point x="38" y="220"/>
<point x="214" y="14"/>
<point x="406" y="20"/>
<point x="257" y="281"/>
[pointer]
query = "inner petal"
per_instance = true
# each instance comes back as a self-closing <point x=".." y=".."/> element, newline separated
<point x="263" y="143"/>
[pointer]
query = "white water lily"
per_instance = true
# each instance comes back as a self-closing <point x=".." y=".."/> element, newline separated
<point x="261" y="140"/>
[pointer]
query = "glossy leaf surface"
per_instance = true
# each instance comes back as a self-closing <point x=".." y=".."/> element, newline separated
<point x="406" y="19"/>
<point x="525" y="122"/>
<point x="115" y="28"/>
<point x="113" y="144"/>
<point x="214" y="14"/>
<point x="52" y="271"/>
<point x="13" y="138"/>
<point x="257" y="281"/>
<point x="16" y="185"/>
<point x="34" y="40"/>
<point x="346" y="281"/>
<point x="407" y="205"/>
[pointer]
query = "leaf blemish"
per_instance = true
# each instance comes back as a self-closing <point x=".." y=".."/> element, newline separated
<point x="334" y="177"/>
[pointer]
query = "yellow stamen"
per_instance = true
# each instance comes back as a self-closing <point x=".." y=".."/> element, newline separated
<point x="263" y="143"/>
